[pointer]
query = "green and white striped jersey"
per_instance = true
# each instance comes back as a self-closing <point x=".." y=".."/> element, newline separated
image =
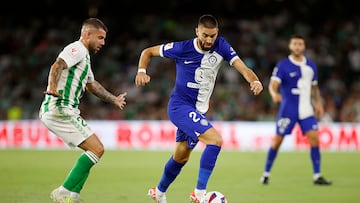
<point x="73" y="79"/>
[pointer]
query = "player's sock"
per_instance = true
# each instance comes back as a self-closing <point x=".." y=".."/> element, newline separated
<point x="207" y="164"/>
<point x="171" y="171"/>
<point x="270" y="160"/>
<point x="315" y="159"/>
<point x="81" y="183"/>
<point x="316" y="176"/>
<point x="200" y="193"/>
<point x="79" y="173"/>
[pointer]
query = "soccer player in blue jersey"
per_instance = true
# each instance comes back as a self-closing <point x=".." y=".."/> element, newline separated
<point x="69" y="77"/>
<point x="197" y="63"/>
<point x="293" y="84"/>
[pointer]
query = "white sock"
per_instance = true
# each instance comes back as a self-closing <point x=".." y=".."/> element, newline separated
<point x="200" y="193"/>
<point x="266" y="174"/>
<point x="159" y="193"/>
<point x="316" y="176"/>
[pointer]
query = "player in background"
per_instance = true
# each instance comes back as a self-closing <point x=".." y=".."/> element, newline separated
<point x="197" y="63"/>
<point x="70" y="76"/>
<point x="294" y="85"/>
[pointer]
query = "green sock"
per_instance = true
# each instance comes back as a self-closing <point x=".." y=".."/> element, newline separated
<point x="80" y="185"/>
<point x="79" y="173"/>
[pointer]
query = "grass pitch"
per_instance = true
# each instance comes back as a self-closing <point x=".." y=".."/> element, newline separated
<point x="28" y="176"/>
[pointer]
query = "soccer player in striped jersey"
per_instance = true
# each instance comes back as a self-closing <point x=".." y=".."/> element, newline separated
<point x="294" y="85"/>
<point x="198" y="61"/>
<point x="69" y="77"/>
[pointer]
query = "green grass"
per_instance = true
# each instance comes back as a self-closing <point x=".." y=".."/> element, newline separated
<point x="124" y="176"/>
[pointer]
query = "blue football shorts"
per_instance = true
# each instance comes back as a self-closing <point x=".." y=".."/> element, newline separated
<point x="190" y="123"/>
<point x="284" y="125"/>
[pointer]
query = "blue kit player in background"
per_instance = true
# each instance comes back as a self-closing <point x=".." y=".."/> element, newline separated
<point x="197" y="63"/>
<point x="293" y="84"/>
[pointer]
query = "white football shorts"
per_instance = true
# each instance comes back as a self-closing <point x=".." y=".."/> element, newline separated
<point x="67" y="125"/>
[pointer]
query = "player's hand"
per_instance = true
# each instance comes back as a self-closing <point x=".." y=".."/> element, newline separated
<point x="256" y="87"/>
<point x="142" y="79"/>
<point x="120" y="100"/>
<point x="52" y="92"/>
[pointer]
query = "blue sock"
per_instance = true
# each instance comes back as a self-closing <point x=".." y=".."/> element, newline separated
<point x="171" y="170"/>
<point x="315" y="158"/>
<point x="270" y="159"/>
<point x="207" y="164"/>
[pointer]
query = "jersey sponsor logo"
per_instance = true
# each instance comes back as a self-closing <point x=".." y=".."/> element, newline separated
<point x="188" y="62"/>
<point x="169" y="46"/>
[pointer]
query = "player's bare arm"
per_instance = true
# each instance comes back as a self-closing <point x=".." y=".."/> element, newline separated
<point x="98" y="90"/>
<point x="274" y="91"/>
<point x="54" y="76"/>
<point x="142" y="78"/>
<point x="318" y="106"/>
<point x="255" y="85"/>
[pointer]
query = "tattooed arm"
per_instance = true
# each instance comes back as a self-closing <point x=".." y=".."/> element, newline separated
<point x="54" y="76"/>
<point x="98" y="90"/>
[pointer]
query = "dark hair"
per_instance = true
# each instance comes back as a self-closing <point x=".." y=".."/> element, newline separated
<point x="297" y="36"/>
<point x="96" y="23"/>
<point x="208" y="21"/>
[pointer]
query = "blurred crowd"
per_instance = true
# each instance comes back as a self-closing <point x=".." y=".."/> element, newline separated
<point x="28" y="49"/>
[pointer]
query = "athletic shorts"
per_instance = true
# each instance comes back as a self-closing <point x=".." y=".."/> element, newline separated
<point x="67" y="125"/>
<point x="284" y="125"/>
<point x="190" y="123"/>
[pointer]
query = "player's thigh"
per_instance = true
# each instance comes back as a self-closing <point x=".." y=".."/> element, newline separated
<point x="71" y="128"/>
<point x="309" y="127"/>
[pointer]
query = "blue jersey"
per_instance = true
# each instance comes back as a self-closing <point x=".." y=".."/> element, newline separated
<point x="196" y="70"/>
<point x="296" y="80"/>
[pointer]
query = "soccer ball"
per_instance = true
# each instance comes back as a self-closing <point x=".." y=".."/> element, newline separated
<point x="214" y="197"/>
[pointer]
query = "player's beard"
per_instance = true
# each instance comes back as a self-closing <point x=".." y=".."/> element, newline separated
<point x="202" y="46"/>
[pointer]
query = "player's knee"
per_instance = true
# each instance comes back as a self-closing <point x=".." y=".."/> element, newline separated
<point x="216" y="140"/>
<point x="99" y="151"/>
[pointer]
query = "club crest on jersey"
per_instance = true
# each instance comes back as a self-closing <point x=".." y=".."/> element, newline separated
<point x="169" y="46"/>
<point x="212" y="59"/>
